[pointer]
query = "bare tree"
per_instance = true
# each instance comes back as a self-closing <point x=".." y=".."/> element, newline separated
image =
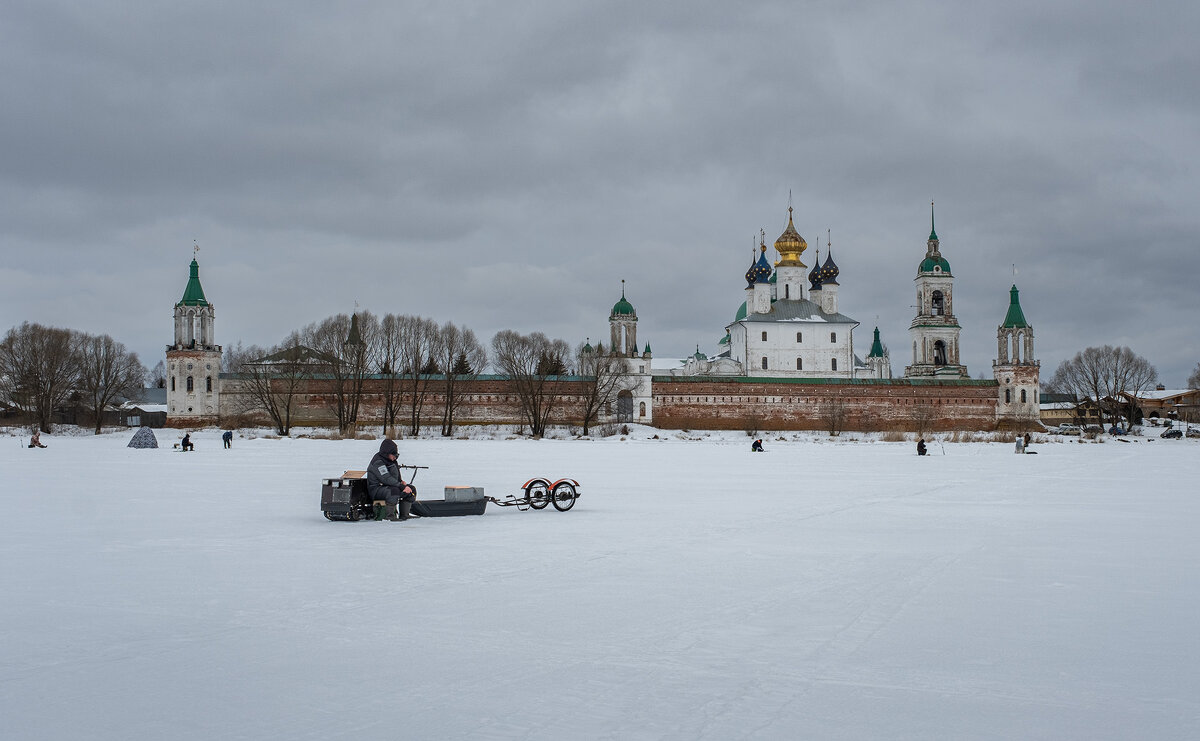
<point x="1113" y="373"/>
<point x="463" y="358"/>
<point x="602" y="374"/>
<point x="529" y="362"/>
<point x="39" y="368"/>
<point x="158" y="375"/>
<point x="833" y="413"/>
<point x="923" y="414"/>
<point x="107" y="371"/>
<point x="387" y="360"/>
<point x="420" y="341"/>
<point x="1193" y="381"/>
<point x="347" y="339"/>
<point x="271" y="381"/>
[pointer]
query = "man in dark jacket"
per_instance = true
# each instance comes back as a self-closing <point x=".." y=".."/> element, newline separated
<point x="384" y="482"/>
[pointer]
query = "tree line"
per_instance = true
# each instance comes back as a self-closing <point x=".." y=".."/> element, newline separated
<point x="45" y="369"/>
<point x="408" y="360"/>
<point x="1111" y="377"/>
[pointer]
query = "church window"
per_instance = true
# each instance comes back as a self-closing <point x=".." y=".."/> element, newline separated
<point x="799" y="337"/>
<point x="1022" y="396"/>
<point x="1007" y="396"/>
<point x="1035" y="396"/>
<point x="190" y="387"/>
<point x="939" y="303"/>
<point x="799" y="364"/>
<point x="172" y="383"/>
<point x="764" y="363"/>
<point x="833" y="336"/>
<point x="939" y="353"/>
<point x="642" y="409"/>
<point x="764" y="335"/>
<point x="786" y="292"/>
<point x="833" y="364"/>
<point x="208" y="384"/>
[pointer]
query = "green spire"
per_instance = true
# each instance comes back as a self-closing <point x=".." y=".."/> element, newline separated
<point x="932" y="231"/>
<point x="647" y="348"/>
<point x="876" y="346"/>
<point x="623" y="307"/>
<point x="1015" y="317"/>
<point x="193" y="295"/>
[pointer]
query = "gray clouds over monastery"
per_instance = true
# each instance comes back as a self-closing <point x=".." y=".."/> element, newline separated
<point x="506" y="165"/>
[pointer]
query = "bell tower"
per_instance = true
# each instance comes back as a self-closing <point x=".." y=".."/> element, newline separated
<point x="194" y="359"/>
<point x="934" y="331"/>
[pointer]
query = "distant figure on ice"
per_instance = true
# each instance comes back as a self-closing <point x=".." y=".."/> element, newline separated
<point x="36" y="440"/>
<point x="757" y="446"/>
<point x="921" y="449"/>
<point x="384" y="482"/>
<point x="1020" y="445"/>
<point x="187" y="442"/>
<point x="1027" y="440"/>
<point x="227" y="438"/>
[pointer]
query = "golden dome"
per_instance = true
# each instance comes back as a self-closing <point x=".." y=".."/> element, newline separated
<point x="790" y="245"/>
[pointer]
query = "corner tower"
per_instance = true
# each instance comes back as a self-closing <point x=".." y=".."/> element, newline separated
<point x="1016" y="370"/>
<point x="194" y="359"/>
<point x="935" y="330"/>
<point x="622" y="323"/>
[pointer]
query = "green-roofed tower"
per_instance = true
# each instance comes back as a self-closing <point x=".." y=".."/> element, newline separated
<point x="935" y="330"/>
<point x="193" y="359"/>
<point x="1016" y="370"/>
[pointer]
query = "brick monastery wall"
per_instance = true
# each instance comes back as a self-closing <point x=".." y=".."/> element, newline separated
<point x="805" y="404"/>
<point x="695" y="403"/>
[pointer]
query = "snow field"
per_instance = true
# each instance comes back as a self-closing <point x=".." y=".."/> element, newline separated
<point x="832" y="590"/>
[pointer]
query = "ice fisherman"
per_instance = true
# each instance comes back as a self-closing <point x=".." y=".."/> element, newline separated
<point x="227" y="438"/>
<point x="187" y="442"/>
<point x="757" y="446"/>
<point x="35" y="441"/>
<point x="384" y="482"/>
<point x="1020" y="445"/>
<point x="921" y="449"/>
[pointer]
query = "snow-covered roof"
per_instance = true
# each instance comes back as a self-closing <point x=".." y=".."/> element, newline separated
<point x="1165" y="393"/>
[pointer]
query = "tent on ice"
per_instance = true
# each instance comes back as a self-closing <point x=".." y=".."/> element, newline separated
<point x="143" y="438"/>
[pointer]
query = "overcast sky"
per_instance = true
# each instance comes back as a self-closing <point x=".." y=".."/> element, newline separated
<point x="505" y="165"/>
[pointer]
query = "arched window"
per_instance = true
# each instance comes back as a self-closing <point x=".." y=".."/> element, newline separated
<point x="764" y="363"/>
<point x="642" y="409"/>
<point x="799" y="364"/>
<point x="190" y="387"/>
<point x="799" y="337"/>
<point x="1007" y="396"/>
<point x="939" y="353"/>
<point x="172" y="383"/>
<point x="833" y="364"/>
<point x="786" y="290"/>
<point x="208" y="384"/>
<point x="764" y="337"/>
<point x="833" y="336"/>
<point x="1022" y="396"/>
<point x="939" y="303"/>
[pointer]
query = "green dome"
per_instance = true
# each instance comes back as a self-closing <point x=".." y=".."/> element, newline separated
<point x="741" y="313"/>
<point x="929" y="264"/>
<point x="623" y="307"/>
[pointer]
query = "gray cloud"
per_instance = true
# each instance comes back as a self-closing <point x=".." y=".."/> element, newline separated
<point x="506" y="165"/>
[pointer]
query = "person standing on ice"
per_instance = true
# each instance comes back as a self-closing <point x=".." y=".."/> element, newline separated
<point x="384" y="482"/>
<point x="1020" y="445"/>
<point x="227" y="438"/>
<point x="921" y="446"/>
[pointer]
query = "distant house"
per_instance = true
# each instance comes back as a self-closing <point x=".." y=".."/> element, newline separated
<point x="1057" y="409"/>
<point x="148" y="408"/>
<point x="1164" y="403"/>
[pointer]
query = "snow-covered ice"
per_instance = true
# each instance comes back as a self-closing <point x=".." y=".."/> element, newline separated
<point x="824" y="590"/>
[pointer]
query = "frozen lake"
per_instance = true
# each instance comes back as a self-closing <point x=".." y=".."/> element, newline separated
<point x="824" y="590"/>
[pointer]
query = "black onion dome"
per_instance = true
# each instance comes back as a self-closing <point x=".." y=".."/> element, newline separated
<point x="814" y="275"/>
<point x="829" y="271"/>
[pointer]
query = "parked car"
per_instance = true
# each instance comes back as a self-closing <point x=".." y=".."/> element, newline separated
<point x="1171" y="434"/>
<point x="1193" y="432"/>
<point x="1068" y="430"/>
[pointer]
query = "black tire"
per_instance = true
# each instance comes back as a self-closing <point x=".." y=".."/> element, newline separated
<point x="538" y="494"/>
<point x="564" y="496"/>
<point x="353" y="515"/>
<point x="328" y="516"/>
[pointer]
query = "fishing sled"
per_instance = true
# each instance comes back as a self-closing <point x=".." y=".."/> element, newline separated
<point x="345" y="498"/>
